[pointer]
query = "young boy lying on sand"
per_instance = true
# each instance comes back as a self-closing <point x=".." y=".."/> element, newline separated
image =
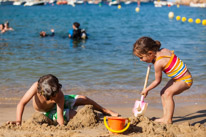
<point x="48" y="98"/>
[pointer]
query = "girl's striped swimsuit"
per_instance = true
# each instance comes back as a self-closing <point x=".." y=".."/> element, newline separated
<point x="176" y="69"/>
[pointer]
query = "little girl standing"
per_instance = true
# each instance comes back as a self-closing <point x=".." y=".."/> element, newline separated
<point x="165" y="60"/>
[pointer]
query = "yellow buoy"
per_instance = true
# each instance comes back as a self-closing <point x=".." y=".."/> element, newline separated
<point x="119" y="6"/>
<point x="190" y="20"/>
<point x="171" y="15"/>
<point x="204" y="22"/>
<point x="137" y="9"/>
<point x="184" y="19"/>
<point x="198" y="21"/>
<point x="178" y="18"/>
<point x="178" y="5"/>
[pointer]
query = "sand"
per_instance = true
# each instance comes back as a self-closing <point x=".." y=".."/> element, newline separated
<point x="89" y="123"/>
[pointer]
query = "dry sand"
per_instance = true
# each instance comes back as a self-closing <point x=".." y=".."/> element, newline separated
<point x="89" y="123"/>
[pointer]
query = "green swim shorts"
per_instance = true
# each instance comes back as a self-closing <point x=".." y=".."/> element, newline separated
<point x="69" y="101"/>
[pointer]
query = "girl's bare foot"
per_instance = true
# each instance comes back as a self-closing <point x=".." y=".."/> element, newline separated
<point x="159" y="120"/>
<point x="162" y="120"/>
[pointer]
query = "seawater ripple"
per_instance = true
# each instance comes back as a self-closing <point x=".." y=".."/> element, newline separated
<point x="104" y="62"/>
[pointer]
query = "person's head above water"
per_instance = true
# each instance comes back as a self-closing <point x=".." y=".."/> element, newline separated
<point x="42" y="33"/>
<point x="48" y="86"/>
<point x="6" y="24"/>
<point x="76" y="25"/>
<point x="2" y="26"/>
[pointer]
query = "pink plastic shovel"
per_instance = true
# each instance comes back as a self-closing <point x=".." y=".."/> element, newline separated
<point x="140" y="106"/>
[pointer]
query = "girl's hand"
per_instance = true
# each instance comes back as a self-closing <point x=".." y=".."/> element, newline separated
<point x="14" y="122"/>
<point x="144" y="93"/>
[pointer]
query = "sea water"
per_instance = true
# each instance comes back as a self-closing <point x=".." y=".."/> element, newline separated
<point x="103" y="66"/>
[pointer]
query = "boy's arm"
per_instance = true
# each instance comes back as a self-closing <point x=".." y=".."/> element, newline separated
<point x="11" y="29"/>
<point x="2" y="31"/>
<point x="52" y="33"/>
<point x="25" y="99"/>
<point x="156" y="82"/>
<point x="60" y="108"/>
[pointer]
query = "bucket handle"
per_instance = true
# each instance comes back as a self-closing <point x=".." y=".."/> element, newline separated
<point x="120" y="131"/>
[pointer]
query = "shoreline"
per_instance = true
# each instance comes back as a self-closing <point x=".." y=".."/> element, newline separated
<point x="192" y="113"/>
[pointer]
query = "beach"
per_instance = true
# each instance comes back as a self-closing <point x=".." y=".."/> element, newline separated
<point x="102" y="67"/>
<point x="188" y="120"/>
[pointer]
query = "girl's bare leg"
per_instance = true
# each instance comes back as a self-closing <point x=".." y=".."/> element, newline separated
<point x="83" y="100"/>
<point x="174" y="89"/>
<point x="163" y="101"/>
<point x="170" y="105"/>
<point x="164" y="111"/>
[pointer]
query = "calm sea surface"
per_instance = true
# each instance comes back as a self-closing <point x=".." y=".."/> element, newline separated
<point x="102" y="67"/>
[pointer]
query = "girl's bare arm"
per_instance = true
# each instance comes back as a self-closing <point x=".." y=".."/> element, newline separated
<point x="156" y="82"/>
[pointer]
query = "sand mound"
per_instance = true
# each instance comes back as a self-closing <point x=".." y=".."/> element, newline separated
<point x="39" y="119"/>
<point x="86" y="117"/>
<point x="87" y="123"/>
<point x="145" y="127"/>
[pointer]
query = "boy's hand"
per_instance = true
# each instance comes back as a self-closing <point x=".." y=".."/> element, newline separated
<point x="14" y="122"/>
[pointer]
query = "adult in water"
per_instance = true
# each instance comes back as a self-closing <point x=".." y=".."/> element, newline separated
<point x="77" y="33"/>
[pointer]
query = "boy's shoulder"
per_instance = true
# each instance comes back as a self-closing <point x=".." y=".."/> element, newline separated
<point x="34" y="87"/>
<point x="59" y="98"/>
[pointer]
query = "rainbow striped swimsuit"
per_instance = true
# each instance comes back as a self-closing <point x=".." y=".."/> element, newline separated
<point x="176" y="69"/>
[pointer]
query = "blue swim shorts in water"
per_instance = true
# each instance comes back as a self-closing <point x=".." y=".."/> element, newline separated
<point x="69" y="101"/>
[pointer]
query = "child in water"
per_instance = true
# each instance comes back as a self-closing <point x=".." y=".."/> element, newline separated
<point x="44" y="34"/>
<point x="48" y="98"/>
<point x="165" y="60"/>
<point x="7" y="27"/>
<point x="2" y="28"/>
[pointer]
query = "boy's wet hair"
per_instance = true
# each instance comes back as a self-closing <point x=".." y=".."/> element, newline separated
<point x="42" y="34"/>
<point x="76" y="24"/>
<point x="7" y="23"/>
<point x="48" y="86"/>
<point x="145" y="44"/>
